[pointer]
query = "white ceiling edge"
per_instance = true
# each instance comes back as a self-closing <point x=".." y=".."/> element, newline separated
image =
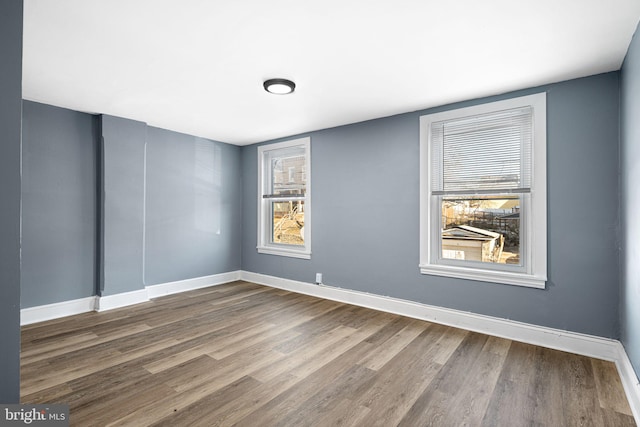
<point x="197" y="66"/>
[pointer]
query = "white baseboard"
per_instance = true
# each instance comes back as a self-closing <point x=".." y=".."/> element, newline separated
<point x="110" y="302"/>
<point x="154" y="291"/>
<point x="629" y="382"/>
<point x="572" y="342"/>
<point x="56" y="310"/>
<point x="169" y="288"/>
<point x="588" y="345"/>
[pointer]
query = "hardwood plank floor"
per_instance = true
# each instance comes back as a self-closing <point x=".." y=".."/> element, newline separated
<point x="248" y="355"/>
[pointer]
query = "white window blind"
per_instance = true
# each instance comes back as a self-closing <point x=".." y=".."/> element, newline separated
<point x="481" y="154"/>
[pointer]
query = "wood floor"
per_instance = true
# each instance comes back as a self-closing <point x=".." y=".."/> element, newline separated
<point x="247" y="355"/>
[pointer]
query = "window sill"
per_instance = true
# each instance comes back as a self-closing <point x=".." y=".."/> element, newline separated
<point x="284" y="252"/>
<point x="507" y="278"/>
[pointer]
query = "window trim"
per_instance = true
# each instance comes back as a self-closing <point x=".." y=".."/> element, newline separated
<point x="265" y="246"/>
<point x="534" y="249"/>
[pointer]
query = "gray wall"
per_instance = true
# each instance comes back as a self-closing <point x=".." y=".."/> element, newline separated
<point x="115" y="205"/>
<point x="122" y="178"/>
<point x="192" y="221"/>
<point x="630" y="212"/>
<point x="365" y="180"/>
<point x="58" y="205"/>
<point x="171" y="206"/>
<point x="10" y="118"/>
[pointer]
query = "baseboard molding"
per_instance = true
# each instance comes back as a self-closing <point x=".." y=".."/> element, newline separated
<point x="155" y="291"/>
<point x="629" y="382"/>
<point x="43" y="313"/>
<point x="110" y="302"/>
<point x="588" y="345"/>
<point x="572" y="342"/>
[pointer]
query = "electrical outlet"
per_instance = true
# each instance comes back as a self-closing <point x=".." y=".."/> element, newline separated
<point x="318" y="278"/>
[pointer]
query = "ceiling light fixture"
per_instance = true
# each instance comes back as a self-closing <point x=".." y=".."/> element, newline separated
<point x="279" y="86"/>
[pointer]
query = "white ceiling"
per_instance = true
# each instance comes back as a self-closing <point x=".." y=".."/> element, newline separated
<point x="197" y="66"/>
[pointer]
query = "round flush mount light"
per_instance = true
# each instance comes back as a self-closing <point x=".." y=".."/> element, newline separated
<point x="279" y="86"/>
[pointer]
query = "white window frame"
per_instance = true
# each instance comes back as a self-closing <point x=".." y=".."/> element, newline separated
<point x="265" y="246"/>
<point x="533" y="221"/>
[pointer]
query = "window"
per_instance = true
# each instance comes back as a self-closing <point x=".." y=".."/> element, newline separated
<point x="483" y="192"/>
<point x="284" y="205"/>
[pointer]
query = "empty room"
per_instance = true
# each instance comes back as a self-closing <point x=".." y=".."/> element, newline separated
<point x="338" y="213"/>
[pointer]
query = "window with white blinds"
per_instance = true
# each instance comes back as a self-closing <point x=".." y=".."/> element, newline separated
<point x="483" y="192"/>
<point x="481" y="154"/>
